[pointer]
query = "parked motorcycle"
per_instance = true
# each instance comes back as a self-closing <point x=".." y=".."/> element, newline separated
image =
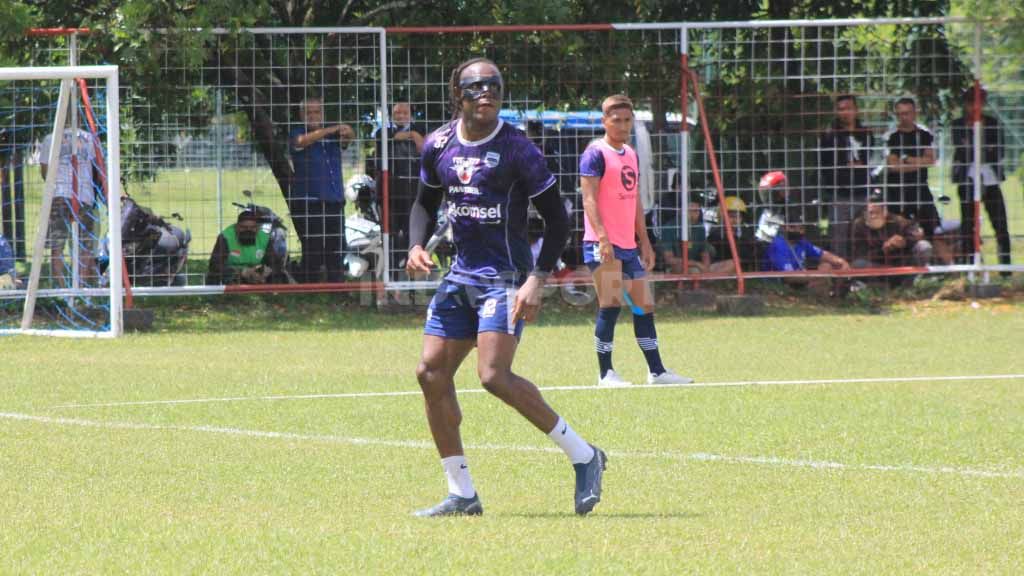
<point x="155" y="251"/>
<point x="363" y="230"/>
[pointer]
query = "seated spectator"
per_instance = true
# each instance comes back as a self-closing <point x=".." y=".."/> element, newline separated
<point x="790" y="250"/>
<point x="701" y="253"/>
<point x="883" y="239"/>
<point x="8" y="275"/>
<point x="743" y="232"/>
<point x="243" y="254"/>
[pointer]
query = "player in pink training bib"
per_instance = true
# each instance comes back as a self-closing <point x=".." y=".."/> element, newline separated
<point x="615" y="243"/>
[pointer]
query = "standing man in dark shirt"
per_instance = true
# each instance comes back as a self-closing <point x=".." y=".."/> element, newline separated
<point x="845" y="177"/>
<point x="965" y="170"/>
<point x="405" y="143"/>
<point x="911" y="152"/>
<point x="316" y="201"/>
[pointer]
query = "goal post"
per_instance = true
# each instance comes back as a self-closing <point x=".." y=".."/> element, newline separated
<point x="81" y="297"/>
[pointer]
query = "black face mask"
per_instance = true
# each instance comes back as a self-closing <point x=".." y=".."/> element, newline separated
<point x="247" y="238"/>
<point x="475" y="87"/>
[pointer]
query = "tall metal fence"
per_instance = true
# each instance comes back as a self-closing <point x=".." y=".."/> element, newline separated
<point x="205" y="119"/>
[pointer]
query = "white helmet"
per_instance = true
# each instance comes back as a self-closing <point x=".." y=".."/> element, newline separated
<point x="360" y="183"/>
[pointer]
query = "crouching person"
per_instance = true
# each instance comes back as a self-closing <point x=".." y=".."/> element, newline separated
<point x="882" y="239"/>
<point x="245" y="254"/>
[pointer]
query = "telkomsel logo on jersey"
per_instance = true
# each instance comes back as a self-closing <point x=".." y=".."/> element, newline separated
<point x="482" y="214"/>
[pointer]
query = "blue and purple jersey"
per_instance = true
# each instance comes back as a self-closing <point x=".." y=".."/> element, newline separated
<point x="786" y="257"/>
<point x="487" y="184"/>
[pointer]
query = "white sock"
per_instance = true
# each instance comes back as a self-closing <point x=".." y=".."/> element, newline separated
<point x="578" y="451"/>
<point x="457" y="472"/>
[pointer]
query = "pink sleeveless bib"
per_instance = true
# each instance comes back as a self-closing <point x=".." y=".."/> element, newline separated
<point x="616" y="197"/>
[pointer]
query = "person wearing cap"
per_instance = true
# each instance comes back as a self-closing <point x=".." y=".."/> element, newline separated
<point x="882" y="238"/>
<point x="989" y="169"/>
<point x="616" y="247"/>
<point x="241" y="254"/>
<point x="743" y="232"/>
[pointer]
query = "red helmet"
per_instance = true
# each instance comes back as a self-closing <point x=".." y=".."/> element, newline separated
<point x="772" y="187"/>
<point x="772" y="179"/>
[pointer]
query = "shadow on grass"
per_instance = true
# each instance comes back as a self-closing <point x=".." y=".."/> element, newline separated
<point x="613" y="515"/>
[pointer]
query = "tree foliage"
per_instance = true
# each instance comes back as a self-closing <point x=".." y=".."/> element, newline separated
<point x="164" y="46"/>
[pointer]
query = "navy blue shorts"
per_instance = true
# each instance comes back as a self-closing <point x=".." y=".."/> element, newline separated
<point x="632" y="268"/>
<point x="461" y="311"/>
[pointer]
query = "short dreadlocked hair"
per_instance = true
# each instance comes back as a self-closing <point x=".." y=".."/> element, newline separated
<point x="453" y="84"/>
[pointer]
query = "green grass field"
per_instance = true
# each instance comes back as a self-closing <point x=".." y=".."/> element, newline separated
<point x="858" y="477"/>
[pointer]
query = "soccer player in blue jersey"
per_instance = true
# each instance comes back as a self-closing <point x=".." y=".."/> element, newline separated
<point x="487" y="172"/>
<point x="615" y="243"/>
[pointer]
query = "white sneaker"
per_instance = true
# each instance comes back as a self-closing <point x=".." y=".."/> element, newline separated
<point x="612" y="379"/>
<point x="668" y="377"/>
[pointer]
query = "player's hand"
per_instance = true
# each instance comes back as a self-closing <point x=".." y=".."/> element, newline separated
<point x="528" y="300"/>
<point x="606" y="250"/>
<point x="418" y="263"/>
<point x="647" y="257"/>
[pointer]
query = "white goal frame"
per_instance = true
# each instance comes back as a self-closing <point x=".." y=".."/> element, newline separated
<point x="68" y="75"/>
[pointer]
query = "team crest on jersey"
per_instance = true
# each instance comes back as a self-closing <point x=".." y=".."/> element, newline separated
<point x="491" y="159"/>
<point x="465" y="167"/>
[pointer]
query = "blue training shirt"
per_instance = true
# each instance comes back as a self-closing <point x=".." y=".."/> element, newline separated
<point x="317" y="168"/>
<point x="487" y="185"/>
<point x="784" y="257"/>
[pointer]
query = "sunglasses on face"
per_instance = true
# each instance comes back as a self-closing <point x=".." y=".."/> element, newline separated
<point x="475" y="87"/>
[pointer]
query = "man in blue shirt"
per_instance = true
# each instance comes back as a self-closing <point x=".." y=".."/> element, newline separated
<point x="316" y="200"/>
<point x="791" y="251"/>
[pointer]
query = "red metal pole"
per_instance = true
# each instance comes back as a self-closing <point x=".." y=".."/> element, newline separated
<point x="684" y="206"/>
<point x="129" y="299"/>
<point x="726" y="220"/>
<point x="49" y="32"/>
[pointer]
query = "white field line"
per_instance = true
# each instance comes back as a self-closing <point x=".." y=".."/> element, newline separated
<point x="624" y="454"/>
<point x="895" y="379"/>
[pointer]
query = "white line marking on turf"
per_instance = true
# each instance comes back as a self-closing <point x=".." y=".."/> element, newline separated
<point x="558" y="389"/>
<point x="419" y="444"/>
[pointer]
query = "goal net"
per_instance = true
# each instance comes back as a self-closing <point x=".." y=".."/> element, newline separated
<point x="61" y="267"/>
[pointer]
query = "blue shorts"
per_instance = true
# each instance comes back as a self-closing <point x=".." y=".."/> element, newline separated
<point x="632" y="268"/>
<point x="461" y="311"/>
